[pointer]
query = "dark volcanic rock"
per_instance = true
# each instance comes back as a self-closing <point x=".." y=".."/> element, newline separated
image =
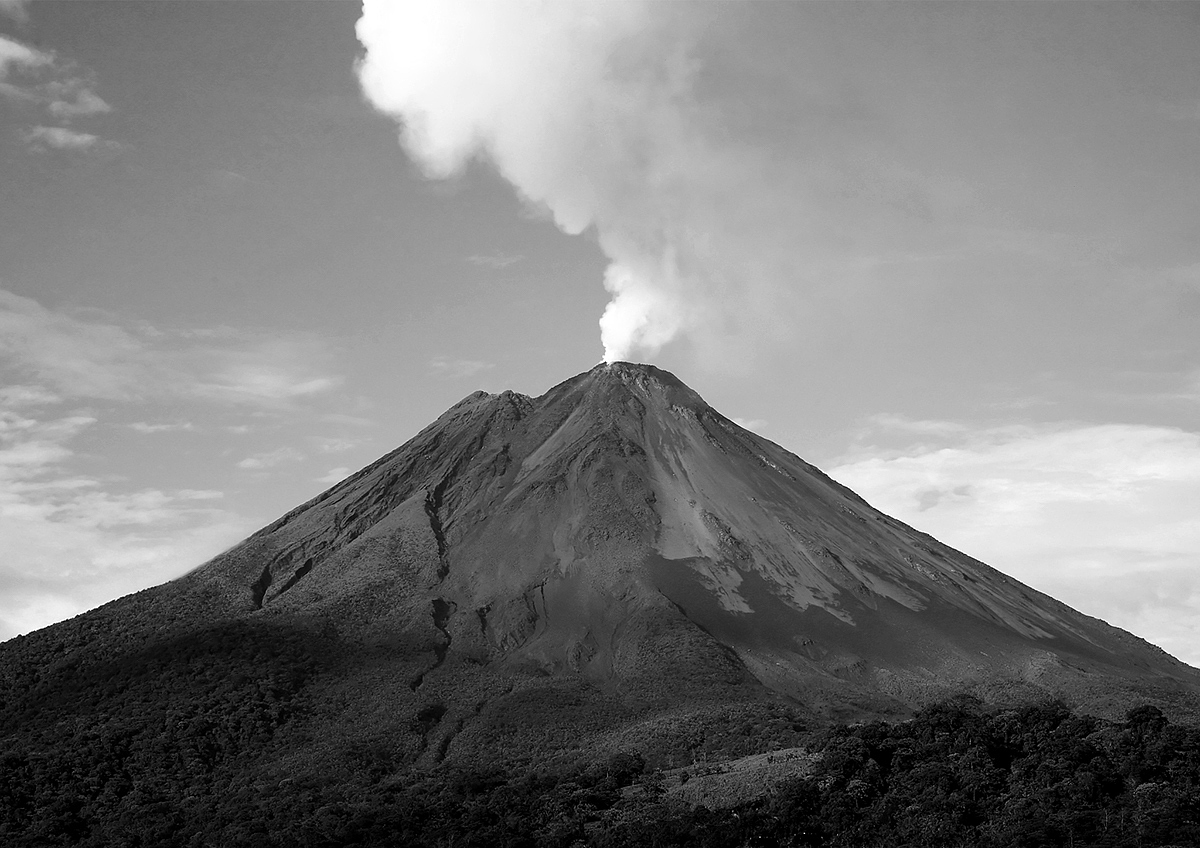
<point x="611" y="564"/>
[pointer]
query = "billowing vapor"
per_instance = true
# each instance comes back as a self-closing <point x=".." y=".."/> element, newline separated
<point x="589" y="110"/>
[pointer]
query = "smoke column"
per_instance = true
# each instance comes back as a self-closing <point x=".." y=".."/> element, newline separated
<point x="589" y="110"/>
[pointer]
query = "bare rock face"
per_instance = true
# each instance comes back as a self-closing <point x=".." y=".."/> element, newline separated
<point x="620" y="529"/>
<point x="533" y="575"/>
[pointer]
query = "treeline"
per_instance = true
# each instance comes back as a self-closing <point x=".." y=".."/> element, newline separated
<point x="956" y="774"/>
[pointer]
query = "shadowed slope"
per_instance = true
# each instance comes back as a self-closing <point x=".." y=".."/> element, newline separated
<point x="527" y="578"/>
<point x="557" y="530"/>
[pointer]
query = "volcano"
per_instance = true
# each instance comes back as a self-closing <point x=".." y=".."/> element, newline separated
<point x="613" y="564"/>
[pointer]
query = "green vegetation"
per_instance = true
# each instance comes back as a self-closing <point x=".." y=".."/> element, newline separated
<point x="956" y="774"/>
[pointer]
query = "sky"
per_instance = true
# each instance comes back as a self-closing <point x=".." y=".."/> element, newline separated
<point x="947" y="253"/>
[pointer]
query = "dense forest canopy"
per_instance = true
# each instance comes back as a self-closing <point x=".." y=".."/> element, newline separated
<point x="958" y="773"/>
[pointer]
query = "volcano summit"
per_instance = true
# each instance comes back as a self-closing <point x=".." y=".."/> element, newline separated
<point x="621" y="532"/>
<point x="611" y="565"/>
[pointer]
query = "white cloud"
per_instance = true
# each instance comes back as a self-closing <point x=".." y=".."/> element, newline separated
<point x="15" y="397"/>
<point x="335" y="475"/>
<point x="921" y="427"/>
<point x="270" y="459"/>
<point x="583" y="107"/>
<point x="164" y="427"/>
<point x="74" y="100"/>
<point x="450" y="367"/>
<point x="72" y="537"/>
<point x="46" y="81"/>
<point x="755" y="424"/>
<point x="18" y="10"/>
<point x="1102" y="517"/>
<point x="68" y="543"/>
<point x="68" y="355"/>
<point x="86" y="357"/>
<point x="14" y="54"/>
<point x="496" y="261"/>
<point x="258" y="382"/>
<point x="597" y="114"/>
<point x="60" y="138"/>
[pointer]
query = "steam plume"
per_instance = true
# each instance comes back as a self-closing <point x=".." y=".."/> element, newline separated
<point x="589" y="110"/>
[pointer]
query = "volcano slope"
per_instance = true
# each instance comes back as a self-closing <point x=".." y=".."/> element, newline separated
<point x="611" y="566"/>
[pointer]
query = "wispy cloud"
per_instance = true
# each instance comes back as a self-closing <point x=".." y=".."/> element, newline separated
<point x="450" y="367"/>
<point x="334" y="475"/>
<point x="77" y="356"/>
<point x="256" y="381"/>
<point x="16" y="397"/>
<point x="495" y="260"/>
<point x="146" y="427"/>
<point x="68" y="355"/>
<point x="270" y="459"/>
<point x="70" y="537"/>
<point x="755" y="424"/>
<point x="59" y="88"/>
<point x="1101" y="516"/>
<point x="916" y="426"/>
<point x="18" y="10"/>
<point x="73" y="99"/>
<point x="69" y="541"/>
<point x="15" y="56"/>
<point x="60" y="138"/>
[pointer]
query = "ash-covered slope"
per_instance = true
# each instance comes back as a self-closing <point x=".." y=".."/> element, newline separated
<point x="612" y="564"/>
<point x="620" y="529"/>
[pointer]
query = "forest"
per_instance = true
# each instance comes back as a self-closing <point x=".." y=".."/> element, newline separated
<point x="958" y="773"/>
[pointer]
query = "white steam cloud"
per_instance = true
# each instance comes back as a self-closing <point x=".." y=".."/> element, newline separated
<point x="589" y="109"/>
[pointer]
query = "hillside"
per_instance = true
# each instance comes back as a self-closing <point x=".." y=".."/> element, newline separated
<point x="611" y="569"/>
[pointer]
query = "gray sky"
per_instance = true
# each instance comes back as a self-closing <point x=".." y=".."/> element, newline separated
<point x="946" y="252"/>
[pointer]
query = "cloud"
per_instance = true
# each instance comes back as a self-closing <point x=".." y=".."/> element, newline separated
<point x="59" y="138"/>
<point x="255" y="381"/>
<point x="496" y="261"/>
<point x="15" y="55"/>
<point x="68" y="355"/>
<point x="335" y="475"/>
<point x="458" y="368"/>
<point x="74" y="99"/>
<point x="16" y="397"/>
<point x="59" y="87"/>
<point x="1101" y="516"/>
<point x="146" y="427"/>
<point x="18" y="10"/>
<point x="916" y="427"/>
<point x="714" y="204"/>
<point x="755" y="424"/>
<point x="588" y="110"/>
<point x="751" y="170"/>
<point x="72" y="537"/>
<point x="69" y="541"/>
<point x="84" y="356"/>
<point x="270" y="459"/>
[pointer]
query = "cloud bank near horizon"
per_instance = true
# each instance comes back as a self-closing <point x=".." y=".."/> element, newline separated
<point x="75" y="531"/>
<point x="1101" y="516"/>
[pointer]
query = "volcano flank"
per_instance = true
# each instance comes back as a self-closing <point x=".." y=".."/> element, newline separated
<point x="611" y="565"/>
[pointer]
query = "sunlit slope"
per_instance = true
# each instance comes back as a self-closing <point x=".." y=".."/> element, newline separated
<point x="620" y="529"/>
<point x="611" y="566"/>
